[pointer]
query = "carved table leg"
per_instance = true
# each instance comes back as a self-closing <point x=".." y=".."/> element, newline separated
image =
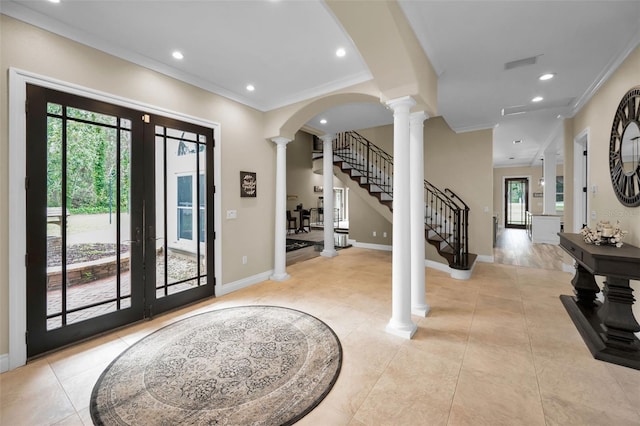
<point x="585" y="287"/>
<point x="616" y="313"/>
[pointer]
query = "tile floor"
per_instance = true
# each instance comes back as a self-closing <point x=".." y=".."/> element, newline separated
<point x="498" y="349"/>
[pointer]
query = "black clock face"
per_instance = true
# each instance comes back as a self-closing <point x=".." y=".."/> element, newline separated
<point x="624" y="149"/>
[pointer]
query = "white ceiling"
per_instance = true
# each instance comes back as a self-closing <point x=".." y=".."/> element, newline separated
<point x="287" y="50"/>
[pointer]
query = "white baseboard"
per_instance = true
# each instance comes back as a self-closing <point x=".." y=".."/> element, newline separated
<point x="370" y="246"/>
<point x="436" y="265"/>
<point x="568" y="268"/>
<point x="244" y="282"/>
<point x="457" y="274"/>
<point x="4" y="363"/>
<point x="485" y="259"/>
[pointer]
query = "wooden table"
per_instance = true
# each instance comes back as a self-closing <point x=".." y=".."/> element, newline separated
<point x="607" y="328"/>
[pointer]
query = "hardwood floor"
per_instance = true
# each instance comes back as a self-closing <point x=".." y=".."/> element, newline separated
<point x="513" y="247"/>
<point x="306" y="253"/>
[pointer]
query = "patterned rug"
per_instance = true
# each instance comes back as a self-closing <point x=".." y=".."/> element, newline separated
<point x="259" y="365"/>
<point x="297" y="244"/>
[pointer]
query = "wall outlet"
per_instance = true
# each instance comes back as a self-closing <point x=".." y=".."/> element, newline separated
<point x="384" y="234"/>
<point x="232" y="214"/>
<point x="244" y="260"/>
<point x="593" y="215"/>
<point x="374" y="233"/>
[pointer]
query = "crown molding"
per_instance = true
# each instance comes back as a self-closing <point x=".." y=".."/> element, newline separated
<point x="606" y="73"/>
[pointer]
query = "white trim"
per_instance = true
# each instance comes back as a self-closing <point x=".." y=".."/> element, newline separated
<point x="606" y="73"/>
<point x="456" y="274"/>
<point x="473" y="128"/>
<point x="485" y="259"/>
<point x="18" y="80"/>
<point x="580" y="143"/>
<point x="4" y="363"/>
<point x="40" y="20"/>
<point x="242" y="283"/>
<point x="370" y="246"/>
<point x="568" y="268"/>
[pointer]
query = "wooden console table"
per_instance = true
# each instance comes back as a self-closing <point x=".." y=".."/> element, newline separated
<point x="607" y="328"/>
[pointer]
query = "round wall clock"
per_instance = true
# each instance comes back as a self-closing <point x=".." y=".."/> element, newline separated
<point x="624" y="149"/>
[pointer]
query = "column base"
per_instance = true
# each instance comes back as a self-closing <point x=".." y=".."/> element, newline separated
<point x="406" y="331"/>
<point x="280" y="277"/>
<point x="328" y="253"/>
<point x="420" y="310"/>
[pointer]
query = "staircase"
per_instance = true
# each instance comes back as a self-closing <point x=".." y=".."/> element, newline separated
<point x="446" y="215"/>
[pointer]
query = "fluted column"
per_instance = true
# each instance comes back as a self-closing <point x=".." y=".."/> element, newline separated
<point x="327" y="194"/>
<point x="400" y="323"/>
<point x="280" y="261"/>
<point x="416" y="187"/>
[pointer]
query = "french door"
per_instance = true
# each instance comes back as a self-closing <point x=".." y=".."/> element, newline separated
<point x="112" y="236"/>
<point x="516" y="202"/>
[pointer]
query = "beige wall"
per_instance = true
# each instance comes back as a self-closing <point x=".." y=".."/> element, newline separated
<point x="37" y="51"/>
<point x="463" y="162"/>
<point x="364" y="221"/>
<point x="300" y="173"/>
<point x="597" y="116"/>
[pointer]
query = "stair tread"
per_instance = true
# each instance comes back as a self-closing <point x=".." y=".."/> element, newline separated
<point x="439" y="237"/>
<point x="471" y="258"/>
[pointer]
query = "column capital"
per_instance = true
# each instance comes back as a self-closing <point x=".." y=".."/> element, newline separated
<point x="405" y="101"/>
<point x="328" y="137"/>
<point x="279" y="140"/>
<point x="418" y="117"/>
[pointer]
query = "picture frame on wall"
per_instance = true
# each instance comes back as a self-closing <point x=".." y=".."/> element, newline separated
<point x="248" y="184"/>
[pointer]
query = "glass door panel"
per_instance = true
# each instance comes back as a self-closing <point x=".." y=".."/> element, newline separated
<point x="117" y="209"/>
<point x="85" y="270"/>
<point x="78" y="210"/>
<point x="181" y="210"/>
<point x="516" y="202"/>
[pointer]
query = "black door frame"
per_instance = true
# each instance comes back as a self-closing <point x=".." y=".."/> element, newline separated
<point x="506" y="200"/>
<point x="36" y="295"/>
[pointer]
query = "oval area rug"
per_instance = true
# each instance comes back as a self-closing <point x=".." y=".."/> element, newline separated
<point x="258" y="365"/>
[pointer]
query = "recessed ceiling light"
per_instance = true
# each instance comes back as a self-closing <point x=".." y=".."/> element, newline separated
<point x="537" y="99"/>
<point x="177" y="55"/>
<point x="251" y="87"/>
<point x="517" y="141"/>
<point x="547" y="76"/>
<point x="323" y="121"/>
<point x="340" y="52"/>
<point x="512" y="158"/>
<point x="54" y="1"/>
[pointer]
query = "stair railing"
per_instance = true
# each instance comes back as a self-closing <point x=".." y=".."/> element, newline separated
<point x="462" y="230"/>
<point x="446" y="214"/>
<point x="375" y="165"/>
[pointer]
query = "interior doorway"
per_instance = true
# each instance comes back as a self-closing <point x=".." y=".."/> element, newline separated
<point x="516" y="202"/>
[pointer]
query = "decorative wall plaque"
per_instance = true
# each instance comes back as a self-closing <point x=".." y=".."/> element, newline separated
<point x="248" y="184"/>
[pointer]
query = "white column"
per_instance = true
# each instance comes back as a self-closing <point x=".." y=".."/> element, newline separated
<point x="280" y="262"/>
<point x="416" y="186"/>
<point x="327" y="194"/>
<point x="400" y="323"/>
<point x="549" y="173"/>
